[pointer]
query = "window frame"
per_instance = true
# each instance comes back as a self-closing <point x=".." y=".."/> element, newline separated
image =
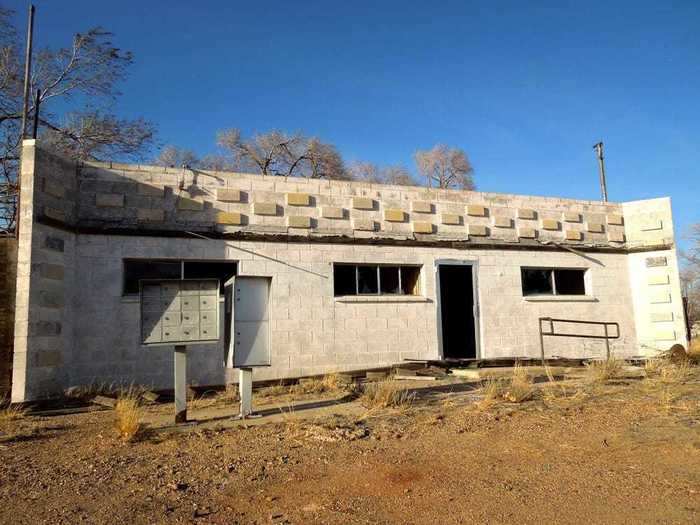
<point x="182" y="263"/>
<point x="377" y="267"/>
<point x="553" y="282"/>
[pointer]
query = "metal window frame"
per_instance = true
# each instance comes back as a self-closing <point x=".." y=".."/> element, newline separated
<point x="553" y="281"/>
<point x="378" y="266"/>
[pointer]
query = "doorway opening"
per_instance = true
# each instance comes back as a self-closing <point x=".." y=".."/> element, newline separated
<point x="457" y="312"/>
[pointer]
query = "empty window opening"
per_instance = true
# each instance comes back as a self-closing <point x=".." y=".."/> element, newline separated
<point x="137" y="269"/>
<point x="553" y="281"/>
<point x="365" y="279"/>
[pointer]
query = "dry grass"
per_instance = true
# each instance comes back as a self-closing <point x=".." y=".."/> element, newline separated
<point x="9" y="415"/>
<point x="385" y="394"/>
<point x="694" y="350"/>
<point x="129" y="416"/>
<point x="517" y="389"/>
<point x="273" y="391"/>
<point x="327" y="384"/>
<point x="604" y="370"/>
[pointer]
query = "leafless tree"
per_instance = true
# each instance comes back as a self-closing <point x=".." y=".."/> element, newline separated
<point x="78" y="85"/>
<point x="369" y="172"/>
<point x="279" y="153"/>
<point x="174" y="157"/>
<point x="690" y="274"/>
<point x="445" y="167"/>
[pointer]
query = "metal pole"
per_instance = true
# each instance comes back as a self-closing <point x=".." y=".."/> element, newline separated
<point x="245" y="389"/>
<point x="180" y="384"/>
<point x="601" y="165"/>
<point x="607" y="342"/>
<point x="37" y="103"/>
<point x="27" y="72"/>
<point x="539" y="321"/>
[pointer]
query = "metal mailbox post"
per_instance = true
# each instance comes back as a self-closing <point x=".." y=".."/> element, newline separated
<point x="179" y="312"/>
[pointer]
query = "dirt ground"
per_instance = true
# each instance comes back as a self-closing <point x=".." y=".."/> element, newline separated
<point x="624" y="452"/>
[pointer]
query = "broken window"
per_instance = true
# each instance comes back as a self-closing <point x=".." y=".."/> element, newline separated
<point x="553" y="281"/>
<point x="365" y="279"/>
<point x="137" y="269"/>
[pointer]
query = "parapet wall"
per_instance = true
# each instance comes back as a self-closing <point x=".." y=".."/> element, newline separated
<point x="8" y="277"/>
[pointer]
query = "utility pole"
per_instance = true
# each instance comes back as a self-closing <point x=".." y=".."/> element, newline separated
<point x="27" y="71"/>
<point x="601" y="165"/>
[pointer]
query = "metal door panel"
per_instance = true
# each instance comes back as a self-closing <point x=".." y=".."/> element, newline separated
<point x="251" y="299"/>
<point x="189" y="304"/>
<point x="252" y="343"/>
<point x="207" y="302"/>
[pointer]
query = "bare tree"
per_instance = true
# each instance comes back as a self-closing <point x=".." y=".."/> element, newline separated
<point x="80" y="83"/>
<point x="690" y="274"/>
<point x="445" y="167"/>
<point x="279" y="153"/>
<point x="369" y="172"/>
<point x="174" y="157"/>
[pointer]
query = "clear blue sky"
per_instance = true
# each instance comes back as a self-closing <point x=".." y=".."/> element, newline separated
<point x="526" y="88"/>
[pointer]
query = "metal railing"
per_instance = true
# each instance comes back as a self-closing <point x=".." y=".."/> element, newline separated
<point x="552" y="333"/>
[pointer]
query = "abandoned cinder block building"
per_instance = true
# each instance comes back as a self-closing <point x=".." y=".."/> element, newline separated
<point x="362" y="275"/>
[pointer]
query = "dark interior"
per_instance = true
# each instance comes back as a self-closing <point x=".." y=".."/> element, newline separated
<point x="456" y="305"/>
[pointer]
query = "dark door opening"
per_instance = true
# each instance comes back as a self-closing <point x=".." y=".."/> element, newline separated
<point x="457" y="311"/>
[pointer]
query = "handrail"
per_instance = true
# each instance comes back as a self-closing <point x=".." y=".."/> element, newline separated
<point x="551" y="333"/>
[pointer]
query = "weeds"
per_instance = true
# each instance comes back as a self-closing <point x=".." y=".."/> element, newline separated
<point x="385" y="394"/>
<point x="327" y="384"/>
<point x="604" y="370"/>
<point x="128" y="414"/>
<point x="517" y="389"/>
<point x="9" y="415"/>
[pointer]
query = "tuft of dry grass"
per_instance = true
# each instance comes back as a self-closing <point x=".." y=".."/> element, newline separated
<point x="273" y="391"/>
<point x="9" y="415"/>
<point x="517" y="389"/>
<point x="385" y="394"/>
<point x="603" y="370"/>
<point x="327" y="384"/>
<point x="129" y="416"/>
<point x="694" y="351"/>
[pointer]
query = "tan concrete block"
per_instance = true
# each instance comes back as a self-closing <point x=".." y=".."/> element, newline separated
<point x="476" y="210"/>
<point x="573" y="235"/>
<point x="572" y="216"/>
<point x="54" y="272"/>
<point x="233" y="218"/>
<point x="363" y="203"/>
<point x="109" y="200"/>
<point x="48" y="358"/>
<point x="595" y="227"/>
<point x="184" y="202"/>
<point x="54" y="188"/>
<point x="651" y="224"/>
<point x="423" y="227"/>
<point x="394" y="215"/>
<point x="661" y="317"/>
<point x="150" y="215"/>
<point x="659" y="296"/>
<point x="150" y="190"/>
<point x="298" y="221"/>
<point x="503" y="222"/>
<point x="527" y="213"/>
<point x="364" y="225"/>
<point x="664" y="335"/>
<point x="229" y="195"/>
<point x="332" y="212"/>
<point x="298" y="199"/>
<point x="422" y="207"/>
<point x="616" y="237"/>
<point x="478" y="230"/>
<point x="526" y="233"/>
<point x="452" y="219"/>
<point x="265" y="208"/>
<point x="658" y="278"/>
<point x="53" y="213"/>
<point x="615" y="220"/>
<point x="550" y="224"/>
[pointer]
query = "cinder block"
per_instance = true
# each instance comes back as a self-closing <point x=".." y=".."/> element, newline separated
<point x="332" y="212"/>
<point x="526" y="233"/>
<point x="49" y="299"/>
<point x="527" y="214"/>
<point x="53" y="213"/>
<point x="655" y="262"/>
<point x="452" y="218"/>
<point x="54" y="188"/>
<point x="364" y="225"/>
<point x="664" y="335"/>
<point x="265" y="208"/>
<point x="550" y="224"/>
<point x="659" y="296"/>
<point x="423" y="227"/>
<point x="232" y="218"/>
<point x="54" y="272"/>
<point x="150" y="215"/>
<point x="422" y="207"/>
<point x="109" y="200"/>
<point x="595" y="227"/>
<point x="298" y="199"/>
<point x="661" y="317"/>
<point x="298" y="221"/>
<point x="616" y="237"/>
<point x="658" y="278"/>
<point x="55" y="244"/>
<point x="363" y="203"/>
<point x="503" y="222"/>
<point x="151" y="191"/>
<point x="573" y="235"/>
<point x="187" y="203"/>
<point x="651" y="224"/>
<point x="229" y="195"/>
<point x="394" y="215"/>
<point x="476" y="210"/>
<point x="572" y="216"/>
<point x="478" y="230"/>
<point x="615" y="220"/>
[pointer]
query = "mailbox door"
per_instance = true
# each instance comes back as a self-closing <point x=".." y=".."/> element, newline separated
<point x="251" y="324"/>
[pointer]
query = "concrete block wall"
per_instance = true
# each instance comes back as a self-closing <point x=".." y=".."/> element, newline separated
<point x="8" y="278"/>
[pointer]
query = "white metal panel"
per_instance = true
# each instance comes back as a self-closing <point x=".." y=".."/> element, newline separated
<point x="251" y="298"/>
<point x="252" y="344"/>
<point x="249" y="340"/>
